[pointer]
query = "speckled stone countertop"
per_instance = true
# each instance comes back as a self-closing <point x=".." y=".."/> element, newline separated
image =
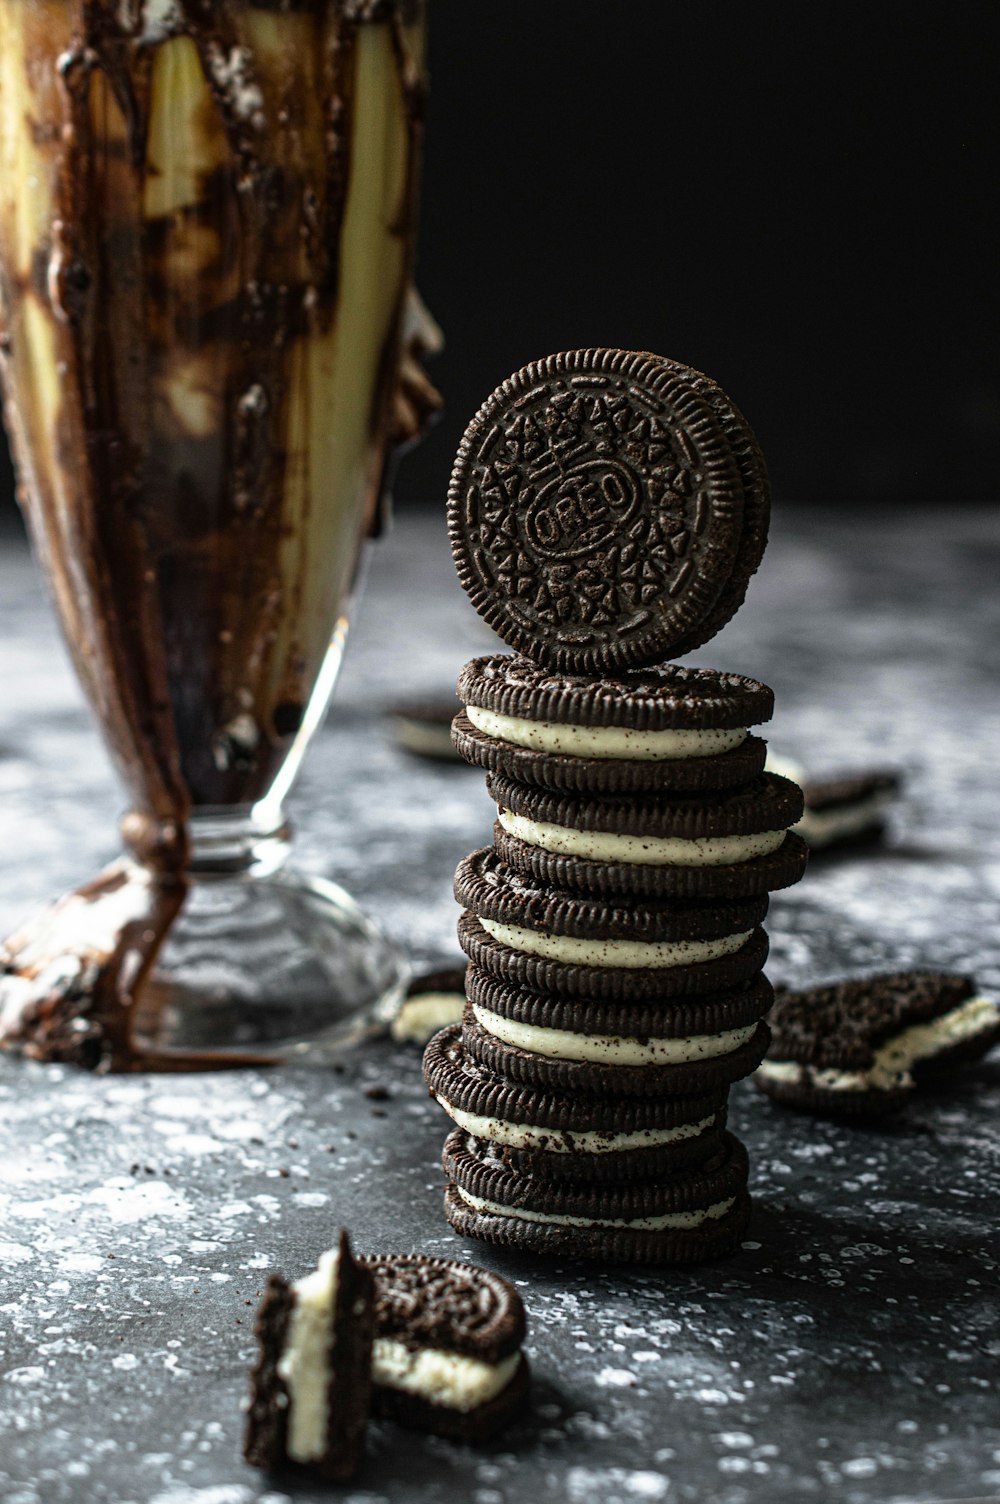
<point x="850" y="1352"/>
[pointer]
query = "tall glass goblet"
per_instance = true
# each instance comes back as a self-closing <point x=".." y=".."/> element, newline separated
<point x="209" y="351"/>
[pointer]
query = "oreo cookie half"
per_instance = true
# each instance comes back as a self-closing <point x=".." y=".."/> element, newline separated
<point x="857" y="1048"/>
<point x="597" y="510"/>
<point x="695" y="1216"/>
<point x="565" y="1137"/>
<point x="315" y="1340"/>
<point x="447" y="1354"/>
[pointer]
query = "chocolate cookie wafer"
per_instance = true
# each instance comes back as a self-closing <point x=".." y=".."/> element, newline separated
<point x="596" y="510"/>
<point x="692" y="1217"/>
<point x="447" y="1354"/>
<point x="565" y="1137"/>
<point x="657" y="729"/>
<point x="857" y="1048"/>
<point x="310" y="1388"/>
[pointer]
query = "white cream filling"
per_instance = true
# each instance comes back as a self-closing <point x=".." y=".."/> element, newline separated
<point x="654" y="851"/>
<point x="420" y="1017"/>
<point x="627" y="954"/>
<point x="305" y="1363"/>
<point x="820" y="827"/>
<point x="604" y="741"/>
<point x="440" y="1377"/>
<point x="894" y="1060"/>
<point x="637" y="1224"/>
<point x="562" y="1141"/>
<point x="562" y="1044"/>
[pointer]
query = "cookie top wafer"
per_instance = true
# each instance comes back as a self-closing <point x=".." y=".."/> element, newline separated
<point x="439" y="1303"/>
<point x="664" y="697"/>
<point x="597" y="510"/>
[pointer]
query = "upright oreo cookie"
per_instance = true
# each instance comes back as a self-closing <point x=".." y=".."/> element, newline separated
<point x="694" y="1216"/>
<point x="857" y="1048"/>
<point x="447" y="1355"/>
<point x="652" y="730"/>
<point x="310" y="1388"/>
<point x="598" y="511"/>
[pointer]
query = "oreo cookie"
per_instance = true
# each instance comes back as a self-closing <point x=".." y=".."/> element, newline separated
<point x="730" y="846"/>
<point x="670" y="831"/>
<point x="573" y="774"/>
<point x="564" y="1137"/>
<point x="779" y="869"/>
<point x="598" y="512"/>
<point x="311" y="1385"/>
<point x="502" y="899"/>
<point x="695" y="1216"/>
<point x="742" y="956"/>
<point x="711" y="1013"/>
<point x="857" y="1048"/>
<point x="447" y="1354"/>
<point x="845" y="809"/>
<point x="433" y="1000"/>
<point x="690" y="1069"/>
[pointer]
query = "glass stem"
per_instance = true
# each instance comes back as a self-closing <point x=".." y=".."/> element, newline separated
<point x="254" y="840"/>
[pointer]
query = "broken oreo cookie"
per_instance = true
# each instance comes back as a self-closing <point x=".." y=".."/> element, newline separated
<point x="856" y="1048"/>
<point x="606" y="509"/>
<point x="447" y="1354"/>
<point x="310" y="1388"/>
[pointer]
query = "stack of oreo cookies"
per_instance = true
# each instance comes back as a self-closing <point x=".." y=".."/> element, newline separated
<point x="606" y="511"/>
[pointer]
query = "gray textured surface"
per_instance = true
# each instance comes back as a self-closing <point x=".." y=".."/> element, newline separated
<point x="851" y="1351"/>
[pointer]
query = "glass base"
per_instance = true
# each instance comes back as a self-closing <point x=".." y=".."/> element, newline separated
<point x="265" y="969"/>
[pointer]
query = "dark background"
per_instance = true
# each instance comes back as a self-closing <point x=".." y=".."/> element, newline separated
<point x="795" y="198"/>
